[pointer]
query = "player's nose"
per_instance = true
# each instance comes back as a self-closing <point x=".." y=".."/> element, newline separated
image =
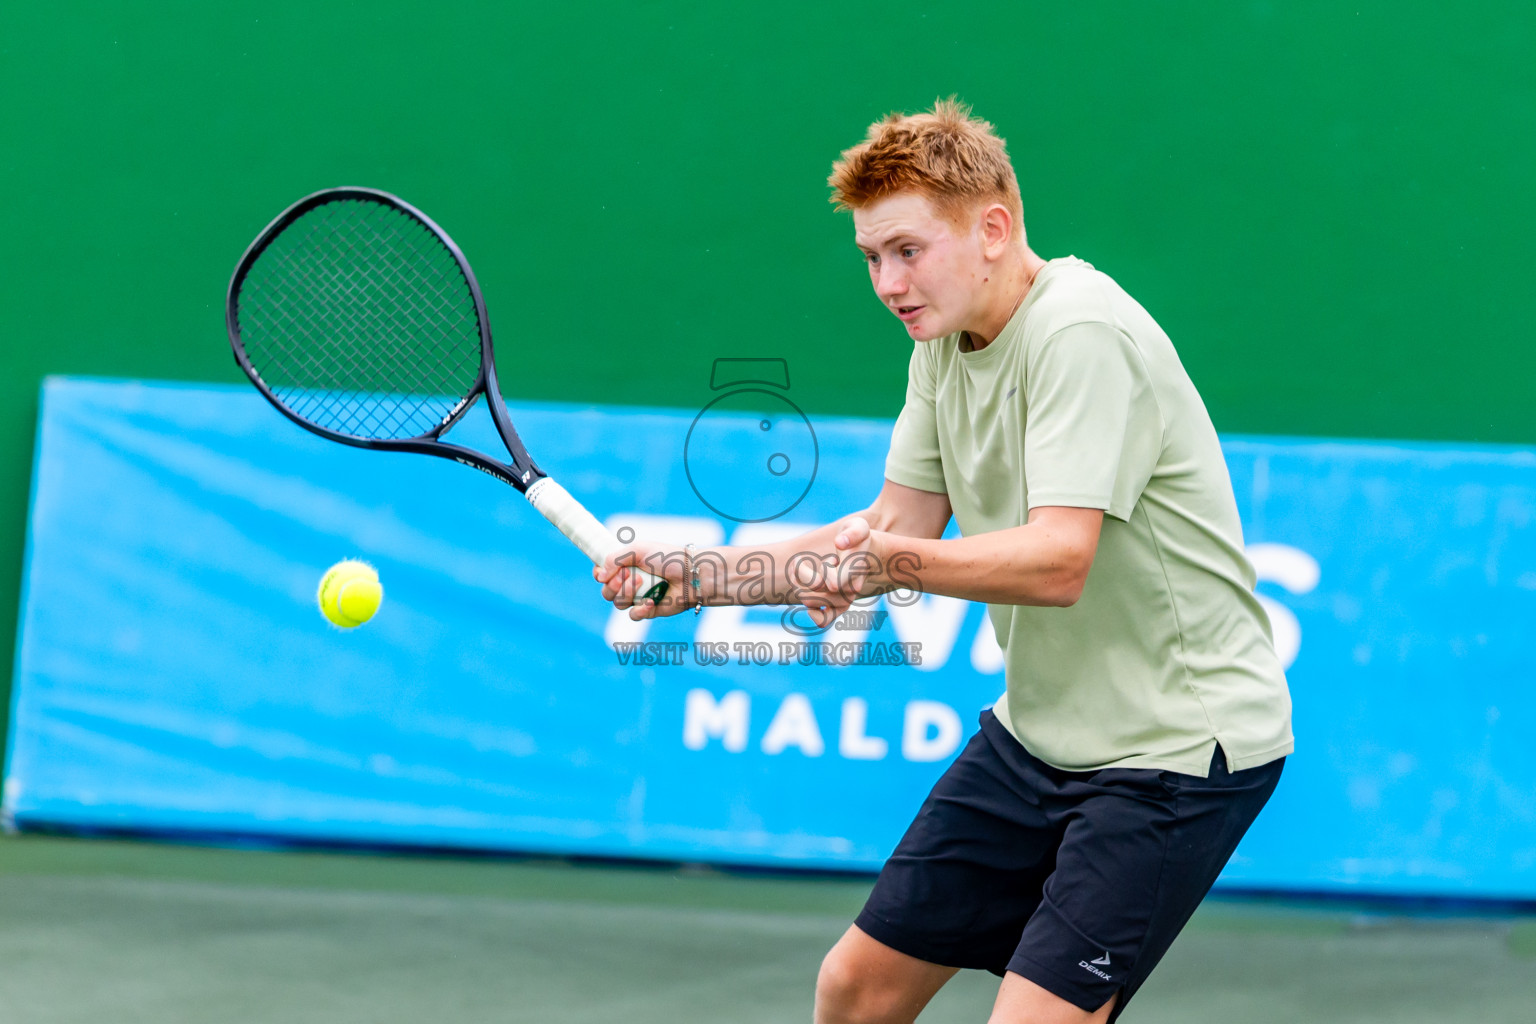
<point x="891" y="282"/>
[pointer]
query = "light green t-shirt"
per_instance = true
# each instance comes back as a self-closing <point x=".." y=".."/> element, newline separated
<point x="1082" y="401"/>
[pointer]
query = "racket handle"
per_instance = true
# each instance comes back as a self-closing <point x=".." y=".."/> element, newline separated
<point x="595" y="540"/>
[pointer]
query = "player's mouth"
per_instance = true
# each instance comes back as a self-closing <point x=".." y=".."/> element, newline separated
<point x="909" y="313"/>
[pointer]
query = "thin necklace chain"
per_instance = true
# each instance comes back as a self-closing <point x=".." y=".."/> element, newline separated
<point x="1028" y="285"/>
<point x="970" y="340"/>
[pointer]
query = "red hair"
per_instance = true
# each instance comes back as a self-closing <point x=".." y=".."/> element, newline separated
<point x="957" y="161"/>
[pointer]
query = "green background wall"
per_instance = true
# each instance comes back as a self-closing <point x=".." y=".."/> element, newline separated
<point x="1328" y="206"/>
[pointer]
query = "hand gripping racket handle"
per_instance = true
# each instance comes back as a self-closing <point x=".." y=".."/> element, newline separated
<point x="595" y="540"/>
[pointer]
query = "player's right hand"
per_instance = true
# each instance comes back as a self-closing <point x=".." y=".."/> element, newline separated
<point x="834" y="588"/>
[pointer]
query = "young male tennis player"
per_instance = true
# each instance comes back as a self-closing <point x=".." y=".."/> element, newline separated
<point x="1146" y="716"/>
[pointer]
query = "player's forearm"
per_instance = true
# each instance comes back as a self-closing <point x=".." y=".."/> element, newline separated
<point x="776" y="573"/>
<point x="763" y="573"/>
<point x="1025" y="565"/>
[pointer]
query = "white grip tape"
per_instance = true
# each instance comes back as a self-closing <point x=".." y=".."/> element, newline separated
<point x="571" y="518"/>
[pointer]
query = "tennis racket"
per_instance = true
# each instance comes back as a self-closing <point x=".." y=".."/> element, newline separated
<point x="360" y="319"/>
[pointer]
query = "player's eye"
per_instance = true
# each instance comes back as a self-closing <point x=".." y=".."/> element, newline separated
<point x="909" y="252"/>
<point x="872" y="258"/>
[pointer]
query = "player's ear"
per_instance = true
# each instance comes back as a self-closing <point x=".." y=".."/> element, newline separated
<point x="997" y="228"/>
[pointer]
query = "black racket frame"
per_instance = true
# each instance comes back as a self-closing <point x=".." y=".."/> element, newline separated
<point x="521" y="472"/>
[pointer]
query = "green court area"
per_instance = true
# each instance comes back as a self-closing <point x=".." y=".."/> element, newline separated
<point x="129" y="932"/>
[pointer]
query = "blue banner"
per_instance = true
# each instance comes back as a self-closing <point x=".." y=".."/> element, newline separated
<point x="174" y="674"/>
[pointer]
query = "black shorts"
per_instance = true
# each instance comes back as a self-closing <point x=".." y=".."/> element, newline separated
<point x="1079" y="881"/>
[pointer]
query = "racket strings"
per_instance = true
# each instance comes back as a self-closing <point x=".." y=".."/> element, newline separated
<point x="366" y="414"/>
<point x="362" y="413"/>
<point x="376" y="412"/>
<point x="359" y="320"/>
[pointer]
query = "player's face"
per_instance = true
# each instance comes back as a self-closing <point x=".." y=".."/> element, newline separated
<point x="926" y="270"/>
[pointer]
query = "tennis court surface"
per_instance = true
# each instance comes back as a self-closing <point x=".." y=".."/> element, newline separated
<point x="135" y="932"/>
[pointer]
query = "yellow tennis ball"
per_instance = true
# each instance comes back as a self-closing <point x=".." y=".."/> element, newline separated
<point x="350" y="593"/>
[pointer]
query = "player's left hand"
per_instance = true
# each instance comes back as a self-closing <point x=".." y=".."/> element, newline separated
<point x="622" y="586"/>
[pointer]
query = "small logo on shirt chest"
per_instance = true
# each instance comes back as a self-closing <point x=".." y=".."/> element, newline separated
<point x="1010" y="392"/>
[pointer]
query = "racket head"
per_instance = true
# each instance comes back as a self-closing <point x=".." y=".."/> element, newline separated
<point x="360" y="319"/>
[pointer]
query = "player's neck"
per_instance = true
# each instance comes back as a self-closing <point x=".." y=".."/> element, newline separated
<point x="1016" y="278"/>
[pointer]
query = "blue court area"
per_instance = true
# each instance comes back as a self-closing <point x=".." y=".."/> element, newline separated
<point x="128" y="932"/>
